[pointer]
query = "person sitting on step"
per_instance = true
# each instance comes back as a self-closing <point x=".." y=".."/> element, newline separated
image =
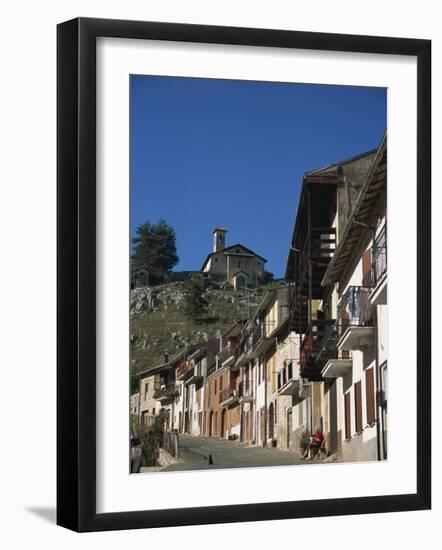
<point x="315" y="443"/>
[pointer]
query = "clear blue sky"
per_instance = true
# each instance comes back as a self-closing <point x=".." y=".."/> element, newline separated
<point x="232" y="153"/>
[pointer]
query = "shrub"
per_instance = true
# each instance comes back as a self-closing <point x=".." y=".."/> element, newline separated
<point x="304" y="440"/>
<point x="152" y="439"/>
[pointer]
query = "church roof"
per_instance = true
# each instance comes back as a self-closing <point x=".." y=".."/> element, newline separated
<point x="227" y="248"/>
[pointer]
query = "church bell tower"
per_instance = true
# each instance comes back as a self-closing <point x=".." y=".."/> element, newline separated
<point x="219" y="238"/>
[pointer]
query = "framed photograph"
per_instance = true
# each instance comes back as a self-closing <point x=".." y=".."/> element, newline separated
<point x="243" y="274"/>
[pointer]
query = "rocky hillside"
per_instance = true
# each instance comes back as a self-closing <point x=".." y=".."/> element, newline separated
<point x="159" y="324"/>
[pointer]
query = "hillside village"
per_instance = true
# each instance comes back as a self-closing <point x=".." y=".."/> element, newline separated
<point x="307" y="355"/>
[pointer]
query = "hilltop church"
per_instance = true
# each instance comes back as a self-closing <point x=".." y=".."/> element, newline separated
<point x="241" y="267"/>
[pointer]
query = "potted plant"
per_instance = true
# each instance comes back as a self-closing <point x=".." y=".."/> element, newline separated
<point x="304" y="441"/>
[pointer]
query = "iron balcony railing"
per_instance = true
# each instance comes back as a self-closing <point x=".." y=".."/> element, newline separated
<point x="225" y="353"/>
<point x="244" y="390"/>
<point x="354" y="308"/>
<point x="166" y="392"/>
<point x="228" y="393"/>
<point x="211" y="368"/>
<point x="329" y="346"/>
<point x="312" y="342"/>
<point x="285" y="375"/>
<point x="380" y="256"/>
<point x="262" y="331"/>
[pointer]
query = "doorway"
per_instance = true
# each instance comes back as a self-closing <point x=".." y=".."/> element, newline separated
<point x="271" y="421"/>
<point x="224" y="423"/>
<point x="289" y="429"/>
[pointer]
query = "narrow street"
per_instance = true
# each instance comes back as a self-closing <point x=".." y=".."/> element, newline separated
<point x="197" y="453"/>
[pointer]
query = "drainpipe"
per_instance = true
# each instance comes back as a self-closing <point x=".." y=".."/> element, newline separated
<point x="265" y="404"/>
<point x="379" y="419"/>
<point x="255" y="421"/>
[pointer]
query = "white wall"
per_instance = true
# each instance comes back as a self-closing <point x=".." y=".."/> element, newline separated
<point x="28" y="213"/>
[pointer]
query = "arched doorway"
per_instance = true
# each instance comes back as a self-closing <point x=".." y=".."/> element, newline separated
<point x="271" y="421"/>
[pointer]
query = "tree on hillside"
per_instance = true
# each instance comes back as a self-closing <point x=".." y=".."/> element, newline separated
<point x="267" y="277"/>
<point x="196" y="304"/>
<point x="154" y="250"/>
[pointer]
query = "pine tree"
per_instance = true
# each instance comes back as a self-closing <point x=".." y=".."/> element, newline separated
<point x="154" y="249"/>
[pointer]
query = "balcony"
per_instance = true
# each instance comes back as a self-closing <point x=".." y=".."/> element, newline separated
<point x="304" y="388"/>
<point x="227" y="357"/>
<point x="229" y="397"/>
<point x="334" y="362"/>
<point x="311" y="347"/>
<point x="262" y="340"/>
<point x="166" y="394"/>
<point x="245" y="394"/>
<point x="355" y="319"/>
<point x="182" y="371"/>
<point x="190" y="373"/>
<point x="243" y="359"/>
<point x="288" y="379"/>
<point x="195" y="374"/>
<point x="378" y="271"/>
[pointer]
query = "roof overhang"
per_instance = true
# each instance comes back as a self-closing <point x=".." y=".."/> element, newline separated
<point x="354" y="231"/>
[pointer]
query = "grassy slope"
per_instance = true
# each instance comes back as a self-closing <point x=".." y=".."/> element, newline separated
<point x="161" y="324"/>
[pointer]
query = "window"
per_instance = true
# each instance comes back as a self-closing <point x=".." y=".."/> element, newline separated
<point x="215" y="388"/>
<point x="146" y="390"/>
<point x="221" y="383"/>
<point x="153" y="411"/>
<point x="347" y="415"/>
<point x="237" y="250"/>
<point x="216" y="259"/>
<point x="358" y="407"/>
<point x="369" y="391"/>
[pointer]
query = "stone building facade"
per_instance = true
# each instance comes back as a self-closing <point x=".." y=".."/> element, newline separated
<point x="240" y="266"/>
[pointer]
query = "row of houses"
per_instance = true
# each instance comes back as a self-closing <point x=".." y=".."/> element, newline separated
<point x="314" y="354"/>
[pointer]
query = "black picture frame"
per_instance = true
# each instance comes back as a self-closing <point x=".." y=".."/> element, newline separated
<point x="76" y="273"/>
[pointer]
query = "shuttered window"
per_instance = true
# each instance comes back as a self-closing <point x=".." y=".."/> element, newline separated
<point x="358" y="407"/>
<point x="369" y="390"/>
<point x="347" y="415"/>
<point x="366" y="268"/>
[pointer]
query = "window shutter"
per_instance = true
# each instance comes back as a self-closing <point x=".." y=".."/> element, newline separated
<point x="366" y="268"/>
<point x="347" y="415"/>
<point x="369" y="390"/>
<point x="358" y="407"/>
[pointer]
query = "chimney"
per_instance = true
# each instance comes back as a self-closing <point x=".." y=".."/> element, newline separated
<point x="219" y="238"/>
